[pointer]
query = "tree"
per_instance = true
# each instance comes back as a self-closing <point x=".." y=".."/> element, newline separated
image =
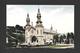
<point x="15" y="32"/>
<point x="55" y="38"/>
<point x="64" y="36"/>
<point x="19" y="33"/>
<point x="61" y="38"/>
<point x="11" y="39"/>
<point x="70" y="37"/>
<point x="18" y="27"/>
<point x="21" y="38"/>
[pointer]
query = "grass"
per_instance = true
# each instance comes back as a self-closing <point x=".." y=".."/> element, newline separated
<point x="55" y="46"/>
<point x="51" y="46"/>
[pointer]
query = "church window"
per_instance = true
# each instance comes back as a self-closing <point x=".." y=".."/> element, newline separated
<point x="41" y="31"/>
<point x="37" y="32"/>
<point x="32" y="31"/>
<point x="37" y="41"/>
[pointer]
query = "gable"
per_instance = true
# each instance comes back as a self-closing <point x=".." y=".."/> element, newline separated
<point x="31" y="28"/>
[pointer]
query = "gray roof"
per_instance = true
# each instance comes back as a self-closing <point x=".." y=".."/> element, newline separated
<point x="49" y="31"/>
<point x="44" y="31"/>
<point x="29" y="27"/>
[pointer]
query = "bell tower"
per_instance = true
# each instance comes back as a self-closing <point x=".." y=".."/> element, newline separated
<point x="39" y="28"/>
<point x="39" y="22"/>
<point x="51" y="28"/>
<point x="27" y="39"/>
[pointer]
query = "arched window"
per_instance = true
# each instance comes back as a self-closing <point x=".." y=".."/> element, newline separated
<point x="26" y="41"/>
<point x="41" y="31"/>
<point x="37" y="32"/>
<point x="34" y="38"/>
<point x="37" y="41"/>
<point x="32" y="31"/>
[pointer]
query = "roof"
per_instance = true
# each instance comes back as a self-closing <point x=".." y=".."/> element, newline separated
<point x="29" y="27"/>
<point x="49" y="31"/>
<point x="44" y="31"/>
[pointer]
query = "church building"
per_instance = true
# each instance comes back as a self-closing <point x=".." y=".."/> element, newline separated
<point x="38" y="35"/>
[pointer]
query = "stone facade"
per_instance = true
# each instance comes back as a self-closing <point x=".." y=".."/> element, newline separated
<point x="41" y="34"/>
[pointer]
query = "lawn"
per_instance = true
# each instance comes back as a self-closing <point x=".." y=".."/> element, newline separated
<point x="57" y="46"/>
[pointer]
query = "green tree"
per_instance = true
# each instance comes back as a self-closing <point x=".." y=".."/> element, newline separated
<point x="18" y="27"/>
<point x="55" y="38"/>
<point x="64" y="36"/>
<point x="15" y="34"/>
<point x="11" y="40"/>
<point x="19" y="34"/>
<point x="21" y="38"/>
<point x="61" y="38"/>
<point x="68" y="35"/>
<point x="72" y="35"/>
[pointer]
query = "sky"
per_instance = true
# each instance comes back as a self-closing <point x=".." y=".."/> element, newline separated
<point x="61" y="17"/>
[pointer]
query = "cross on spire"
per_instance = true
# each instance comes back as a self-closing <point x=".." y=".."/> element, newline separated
<point x="51" y="27"/>
<point x="38" y="10"/>
<point x="28" y="19"/>
<point x="39" y="22"/>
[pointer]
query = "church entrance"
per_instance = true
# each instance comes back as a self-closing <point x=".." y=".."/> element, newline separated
<point x="33" y="39"/>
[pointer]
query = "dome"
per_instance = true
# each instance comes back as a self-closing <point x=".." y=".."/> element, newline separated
<point x="28" y="19"/>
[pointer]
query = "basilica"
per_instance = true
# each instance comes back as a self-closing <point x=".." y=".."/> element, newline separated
<point x="37" y="35"/>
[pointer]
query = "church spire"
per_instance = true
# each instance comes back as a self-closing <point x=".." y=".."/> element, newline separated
<point x="28" y="19"/>
<point x="39" y="22"/>
<point x="39" y="17"/>
<point x="38" y="10"/>
<point x="51" y="28"/>
<point x="38" y="14"/>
